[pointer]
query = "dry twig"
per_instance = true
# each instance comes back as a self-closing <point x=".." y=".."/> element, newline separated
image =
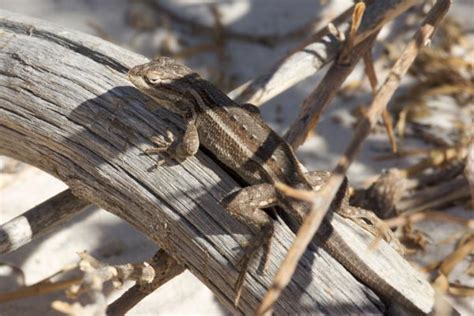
<point x="95" y="274"/>
<point x="39" y="220"/>
<point x="441" y="283"/>
<point x="165" y="268"/>
<point x="323" y="47"/>
<point x="316" y="103"/>
<point x="323" y="199"/>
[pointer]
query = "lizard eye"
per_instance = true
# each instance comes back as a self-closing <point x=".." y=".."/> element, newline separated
<point x="152" y="80"/>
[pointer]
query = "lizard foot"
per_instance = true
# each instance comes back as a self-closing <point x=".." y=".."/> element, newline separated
<point x="163" y="148"/>
<point x="263" y="240"/>
<point x="162" y="144"/>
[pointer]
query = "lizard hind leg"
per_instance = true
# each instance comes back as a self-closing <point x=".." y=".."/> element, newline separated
<point x="246" y="206"/>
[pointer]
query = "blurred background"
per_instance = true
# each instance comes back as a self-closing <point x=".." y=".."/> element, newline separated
<point x="230" y="42"/>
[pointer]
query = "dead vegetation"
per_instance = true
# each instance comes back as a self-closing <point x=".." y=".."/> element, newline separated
<point x="428" y="122"/>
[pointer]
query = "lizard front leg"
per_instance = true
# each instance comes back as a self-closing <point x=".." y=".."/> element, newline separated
<point x="185" y="146"/>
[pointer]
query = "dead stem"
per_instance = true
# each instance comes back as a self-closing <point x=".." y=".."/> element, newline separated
<point x="165" y="268"/>
<point x="441" y="282"/>
<point x="39" y="220"/>
<point x="324" y="197"/>
<point x="306" y="61"/>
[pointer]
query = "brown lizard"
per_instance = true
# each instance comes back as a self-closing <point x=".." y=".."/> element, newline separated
<point x="237" y="136"/>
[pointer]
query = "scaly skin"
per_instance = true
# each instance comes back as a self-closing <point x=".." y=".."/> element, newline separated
<point x="237" y="136"/>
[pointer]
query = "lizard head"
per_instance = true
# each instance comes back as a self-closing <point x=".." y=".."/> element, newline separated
<point x="163" y="79"/>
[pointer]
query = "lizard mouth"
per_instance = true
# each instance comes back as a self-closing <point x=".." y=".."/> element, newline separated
<point x="136" y="79"/>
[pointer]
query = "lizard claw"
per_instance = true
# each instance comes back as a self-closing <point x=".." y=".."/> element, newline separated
<point x="244" y="262"/>
<point x="239" y="285"/>
<point x="162" y="143"/>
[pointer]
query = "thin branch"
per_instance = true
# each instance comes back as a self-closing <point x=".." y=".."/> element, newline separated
<point x="317" y="102"/>
<point x="165" y="268"/>
<point x="95" y="272"/>
<point x="357" y="15"/>
<point x="39" y="220"/>
<point x="387" y="118"/>
<point x="448" y="264"/>
<point x="43" y="287"/>
<point x="323" y="200"/>
<point x="307" y="60"/>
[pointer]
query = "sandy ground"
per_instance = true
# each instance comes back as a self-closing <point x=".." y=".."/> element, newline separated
<point x="112" y="239"/>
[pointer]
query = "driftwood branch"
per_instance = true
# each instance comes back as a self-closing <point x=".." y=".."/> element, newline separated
<point x="39" y="220"/>
<point x="67" y="108"/>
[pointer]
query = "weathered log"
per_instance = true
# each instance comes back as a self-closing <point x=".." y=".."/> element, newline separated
<point x="67" y="107"/>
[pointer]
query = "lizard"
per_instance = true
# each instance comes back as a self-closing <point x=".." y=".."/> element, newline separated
<point x="239" y="138"/>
